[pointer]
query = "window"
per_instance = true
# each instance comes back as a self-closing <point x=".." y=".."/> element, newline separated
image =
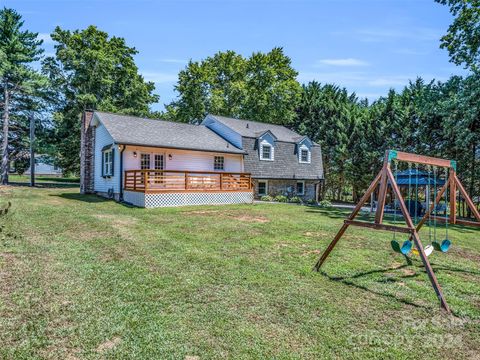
<point x="219" y="163"/>
<point x="266" y="153"/>
<point x="158" y="162"/>
<point x="304" y="155"/>
<point x="262" y="188"/>
<point x="144" y="161"/>
<point x="107" y="160"/>
<point x="300" y="188"/>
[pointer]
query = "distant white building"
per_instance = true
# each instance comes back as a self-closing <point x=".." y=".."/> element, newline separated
<point x="42" y="168"/>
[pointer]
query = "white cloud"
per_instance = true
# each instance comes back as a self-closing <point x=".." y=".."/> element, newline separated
<point x="45" y="37"/>
<point x="408" y="51"/>
<point x="160" y="77"/>
<point x="344" y="78"/>
<point x="383" y="34"/>
<point x="174" y="61"/>
<point x="343" y="62"/>
<point x="394" y="80"/>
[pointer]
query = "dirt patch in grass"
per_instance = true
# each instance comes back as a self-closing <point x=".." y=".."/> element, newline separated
<point x="249" y="218"/>
<point x="309" y="252"/>
<point x="464" y="253"/>
<point x="117" y="220"/>
<point x="201" y="212"/>
<point x="316" y="234"/>
<point x="123" y="224"/>
<point x="109" y="344"/>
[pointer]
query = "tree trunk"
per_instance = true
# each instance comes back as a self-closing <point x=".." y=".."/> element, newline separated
<point x="6" y="119"/>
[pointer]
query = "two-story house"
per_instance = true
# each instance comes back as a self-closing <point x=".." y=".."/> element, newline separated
<point x="280" y="161"/>
<point x="152" y="163"/>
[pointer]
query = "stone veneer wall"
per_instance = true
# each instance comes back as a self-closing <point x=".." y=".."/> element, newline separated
<point x="87" y="154"/>
<point x="280" y="187"/>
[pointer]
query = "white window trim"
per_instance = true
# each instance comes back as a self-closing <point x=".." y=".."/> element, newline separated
<point x="309" y="155"/>
<point x="266" y="187"/>
<point x="303" y="188"/>
<point x="272" y="154"/>
<point x="107" y="165"/>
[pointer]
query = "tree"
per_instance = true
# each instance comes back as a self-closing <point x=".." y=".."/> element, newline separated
<point x="92" y="71"/>
<point x="463" y="37"/>
<point x="324" y="114"/>
<point x="20" y="84"/>
<point x="262" y="87"/>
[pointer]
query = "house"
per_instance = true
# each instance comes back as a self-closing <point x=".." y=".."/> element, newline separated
<point x="280" y="161"/>
<point x="152" y="163"/>
<point x="44" y="167"/>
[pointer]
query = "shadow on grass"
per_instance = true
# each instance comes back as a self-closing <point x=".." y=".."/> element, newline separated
<point x="46" y="185"/>
<point x="91" y="199"/>
<point x="82" y="197"/>
<point x="347" y="280"/>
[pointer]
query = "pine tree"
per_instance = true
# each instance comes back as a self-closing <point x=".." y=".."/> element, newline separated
<point x="19" y="83"/>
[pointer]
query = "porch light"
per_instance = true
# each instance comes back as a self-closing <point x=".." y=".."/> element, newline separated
<point x="134" y="154"/>
<point x="169" y="156"/>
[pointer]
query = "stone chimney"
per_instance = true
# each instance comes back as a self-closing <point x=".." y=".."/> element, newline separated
<point x="87" y="153"/>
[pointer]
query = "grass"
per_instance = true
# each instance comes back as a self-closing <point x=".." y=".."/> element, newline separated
<point x="43" y="179"/>
<point x="83" y="277"/>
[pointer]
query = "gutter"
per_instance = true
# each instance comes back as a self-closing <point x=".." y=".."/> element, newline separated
<point x="121" y="172"/>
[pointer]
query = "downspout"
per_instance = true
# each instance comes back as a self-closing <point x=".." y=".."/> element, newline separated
<point x="121" y="172"/>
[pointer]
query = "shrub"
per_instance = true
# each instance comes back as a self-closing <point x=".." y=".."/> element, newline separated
<point x="281" y="198"/>
<point x="325" y="204"/>
<point x="266" y="198"/>
<point x="295" y="199"/>
<point x="311" y="202"/>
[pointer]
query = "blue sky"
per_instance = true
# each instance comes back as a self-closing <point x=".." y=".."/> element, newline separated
<point x="368" y="46"/>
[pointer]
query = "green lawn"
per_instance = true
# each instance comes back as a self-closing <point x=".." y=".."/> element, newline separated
<point x="43" y="179"/>
<point x="82" y="277"/>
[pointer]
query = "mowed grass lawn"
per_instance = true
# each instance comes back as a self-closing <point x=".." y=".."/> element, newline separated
<point x="82" y="277"/>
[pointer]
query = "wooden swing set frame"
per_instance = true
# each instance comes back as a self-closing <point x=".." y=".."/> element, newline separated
<point x="384" y="177"/>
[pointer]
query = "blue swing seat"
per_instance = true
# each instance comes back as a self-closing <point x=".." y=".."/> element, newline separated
<point x="444" y="246"/>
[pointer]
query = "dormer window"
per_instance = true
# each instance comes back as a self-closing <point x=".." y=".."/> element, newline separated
<point x="266" y="148"/>
<point x="304" y="155"/>
<point x="266" y="152"/>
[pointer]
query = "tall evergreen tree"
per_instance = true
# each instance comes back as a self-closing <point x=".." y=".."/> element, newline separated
<point x="19" y="83"/>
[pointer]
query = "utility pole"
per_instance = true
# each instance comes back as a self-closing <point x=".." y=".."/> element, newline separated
<point x="32" y="150"/>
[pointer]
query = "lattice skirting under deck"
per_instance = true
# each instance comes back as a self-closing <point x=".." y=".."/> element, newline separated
<point x="182" y="199"/>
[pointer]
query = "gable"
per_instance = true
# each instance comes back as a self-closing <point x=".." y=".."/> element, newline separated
<point x="267" y="137"/>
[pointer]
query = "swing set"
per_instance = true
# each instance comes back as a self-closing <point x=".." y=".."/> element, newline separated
<point x="414" y="213"/>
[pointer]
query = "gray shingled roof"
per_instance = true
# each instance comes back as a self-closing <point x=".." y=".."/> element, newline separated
<point x="255" y="128"/>
<point x="132" y="130"/>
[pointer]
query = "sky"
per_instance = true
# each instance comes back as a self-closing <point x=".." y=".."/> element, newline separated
<point x="367" y="46"/>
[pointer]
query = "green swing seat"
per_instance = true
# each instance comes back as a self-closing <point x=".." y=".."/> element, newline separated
<point x="404" y="249"/>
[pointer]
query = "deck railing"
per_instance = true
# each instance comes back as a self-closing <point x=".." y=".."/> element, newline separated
<point x="185" y="181"/>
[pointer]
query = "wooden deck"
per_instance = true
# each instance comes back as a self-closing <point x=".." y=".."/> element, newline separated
<point x="162" y="181"/>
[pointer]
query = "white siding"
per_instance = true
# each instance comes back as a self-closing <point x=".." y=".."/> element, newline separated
<point x="103" y="138"/>
<point x="182" y="159"/>
<point x="44" y="169"/>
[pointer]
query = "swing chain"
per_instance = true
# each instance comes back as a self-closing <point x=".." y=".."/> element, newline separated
<point x="446" y="203"/>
